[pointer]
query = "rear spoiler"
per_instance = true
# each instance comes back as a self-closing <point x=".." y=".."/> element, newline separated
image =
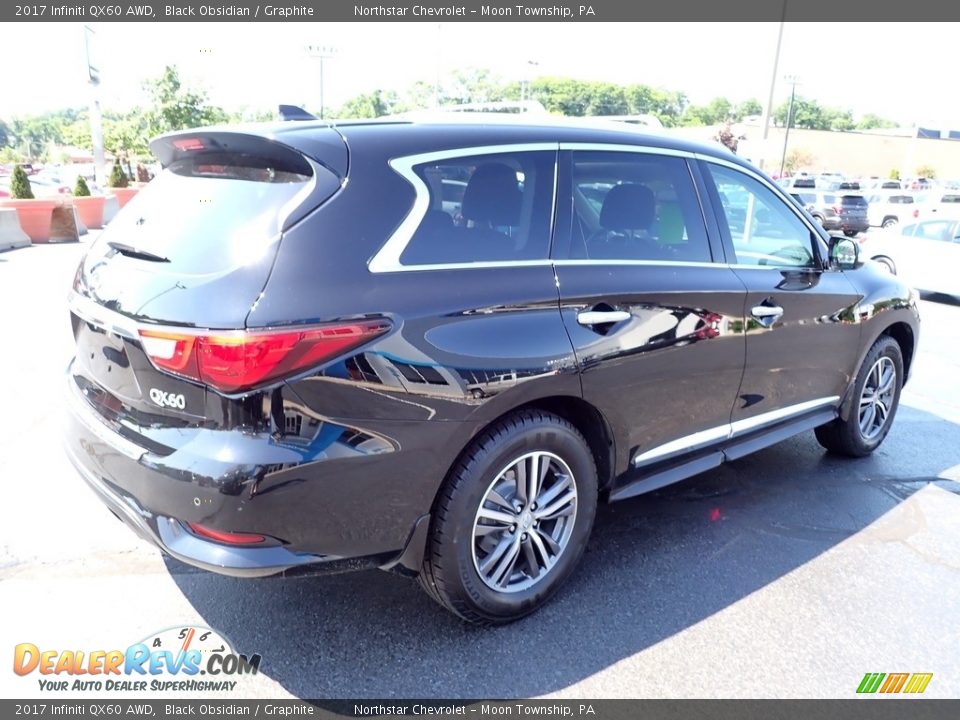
<point x="281" y="143"/>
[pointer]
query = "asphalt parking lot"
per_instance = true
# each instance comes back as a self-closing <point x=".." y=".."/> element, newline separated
<point x="786" y="574"/>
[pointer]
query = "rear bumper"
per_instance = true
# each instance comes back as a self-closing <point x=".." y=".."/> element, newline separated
<point x="855" y="225"/>
<point x="315" y="518"/>
<point x="171" y="537"/>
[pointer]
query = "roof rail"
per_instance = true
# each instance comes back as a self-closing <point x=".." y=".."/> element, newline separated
<point x="292" y="112"/>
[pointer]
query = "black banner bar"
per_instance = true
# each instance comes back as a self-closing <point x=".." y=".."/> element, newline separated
<point x="867" y="708"/>
<point x="832" y="11"/>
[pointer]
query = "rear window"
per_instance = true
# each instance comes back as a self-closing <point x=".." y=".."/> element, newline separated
<point x="213" y="211"/>
<point x="854" y="201"/>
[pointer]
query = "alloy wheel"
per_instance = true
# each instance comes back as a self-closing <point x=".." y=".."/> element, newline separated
<point x="876" y="399"/>
<point x="524" y="522"/>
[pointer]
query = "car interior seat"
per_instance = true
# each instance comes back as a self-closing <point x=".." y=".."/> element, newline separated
<point x="626" y="216"/>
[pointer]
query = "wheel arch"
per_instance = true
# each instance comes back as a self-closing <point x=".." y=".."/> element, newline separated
<point x="586" y="418"/>
<point x="903" y="334"/>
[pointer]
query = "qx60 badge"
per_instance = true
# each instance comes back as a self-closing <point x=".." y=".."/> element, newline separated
<point x="165" y="399"/>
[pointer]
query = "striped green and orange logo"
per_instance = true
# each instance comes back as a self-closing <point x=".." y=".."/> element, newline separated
<point x="913" y="683"/>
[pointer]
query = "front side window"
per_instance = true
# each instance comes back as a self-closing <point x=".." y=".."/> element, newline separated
<point x="485" y="208"/>
<point x="763" y="228"/>
<point x="636" y="206"/>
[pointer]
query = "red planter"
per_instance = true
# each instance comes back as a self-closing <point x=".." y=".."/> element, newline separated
<point x="124" y="194"/>
<point x="90" y="210"/>
<point x="34" y="217"/>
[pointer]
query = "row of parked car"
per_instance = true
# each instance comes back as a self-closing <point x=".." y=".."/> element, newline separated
<point x="917" y="222"/>
<point x="925" y="252"/>
<point x="853" y="211"/>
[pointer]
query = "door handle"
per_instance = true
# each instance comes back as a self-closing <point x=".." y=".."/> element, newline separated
<point x="766" y="315"/>
<point x="600" y="317"/>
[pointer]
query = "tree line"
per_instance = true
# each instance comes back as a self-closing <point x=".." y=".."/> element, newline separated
<point x="171" y="105"/>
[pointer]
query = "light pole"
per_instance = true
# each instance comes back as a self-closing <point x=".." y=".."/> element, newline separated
<point x="321" y="52"/>
<point x="794" y="81"/>
<point x="96" y="122"/>
<point x="768" y="108"/>
<point x="525" y="80"/>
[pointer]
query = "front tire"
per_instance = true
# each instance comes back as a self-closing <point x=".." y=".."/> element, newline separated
<point x="887" y="263"/>
<point x="876" y="393"/>
<point x="512" y="519"/>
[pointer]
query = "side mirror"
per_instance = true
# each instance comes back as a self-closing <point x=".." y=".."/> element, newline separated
<point x="844" y="253"/>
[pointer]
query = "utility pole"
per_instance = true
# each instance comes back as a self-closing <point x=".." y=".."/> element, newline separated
<point x="96" y="122"/>
<point x="528" y="69"/>
<point x="768" y="108"/>
<point x="794" y="81"/>
<point x="321" y="52"/>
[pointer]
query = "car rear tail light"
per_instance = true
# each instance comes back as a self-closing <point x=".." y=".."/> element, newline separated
<point x="188" y="144"/>
<point x="838" y="209"/>
<point x="916" y="212"/>
<point x="228" y="538"/>
<point x="240" y="360"/>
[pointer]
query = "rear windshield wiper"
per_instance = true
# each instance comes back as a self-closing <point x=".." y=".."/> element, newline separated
<point x="133" y="252"/>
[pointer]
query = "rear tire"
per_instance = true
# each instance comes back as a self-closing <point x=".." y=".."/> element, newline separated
<point x="888" y="222"/>
<point x="876" y="393"/>
<point x="488" y="561"/>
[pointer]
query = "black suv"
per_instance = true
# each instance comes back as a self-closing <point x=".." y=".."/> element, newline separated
<point x="296" y="353"/>
<point x="853" y="214"/>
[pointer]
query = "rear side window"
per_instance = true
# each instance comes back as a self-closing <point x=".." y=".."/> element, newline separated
<point x="485" y="208"/>
<point x="213" y="211"/>
<point x="901" y="199"/>
<point x="636" y="206"/>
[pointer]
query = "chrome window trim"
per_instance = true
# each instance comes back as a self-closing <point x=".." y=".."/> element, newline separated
<point x="651" y="263"/>
<point x="776" y="191"/>
<point x="730" y="430"/>
<point x="387" y="258"/>
<point x="640" y="149"/>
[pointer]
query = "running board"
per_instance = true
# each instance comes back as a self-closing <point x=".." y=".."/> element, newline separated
<point x="669" y="472"/>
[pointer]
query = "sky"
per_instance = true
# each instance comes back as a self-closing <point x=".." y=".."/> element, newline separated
<point x="893" y="70"/>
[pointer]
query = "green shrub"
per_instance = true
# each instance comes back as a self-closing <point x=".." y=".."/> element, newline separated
<point x="894" y="174"/>
<point x="118" y="178"/>
<point x="20" y="185"/>
<point x="81" y="189"/>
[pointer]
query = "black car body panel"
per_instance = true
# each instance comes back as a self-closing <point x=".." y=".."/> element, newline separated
<point x="341" y="461"/>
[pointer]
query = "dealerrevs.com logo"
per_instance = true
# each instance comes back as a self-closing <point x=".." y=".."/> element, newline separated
<point x="180" y="659"/>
